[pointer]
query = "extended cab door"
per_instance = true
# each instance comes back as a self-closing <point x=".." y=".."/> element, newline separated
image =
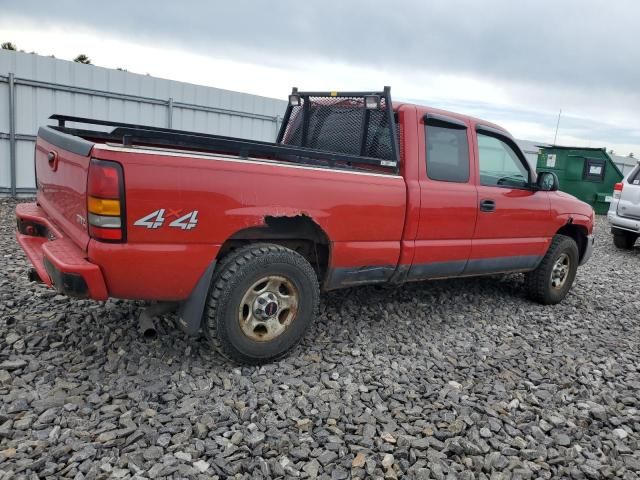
<point x="513" y="227"/>
<point x="448" y="198"/>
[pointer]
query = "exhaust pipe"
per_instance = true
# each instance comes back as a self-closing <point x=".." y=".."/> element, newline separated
<point x="146" y="325"/>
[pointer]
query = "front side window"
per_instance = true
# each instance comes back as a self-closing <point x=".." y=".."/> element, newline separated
<point x="447" y="153"/>
<point x="499" y="164"/>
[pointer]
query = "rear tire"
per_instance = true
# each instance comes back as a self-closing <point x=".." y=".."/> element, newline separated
<point x="550" y="282"/>
<point x="624" y="240"/>
<point x="262" y="301"/>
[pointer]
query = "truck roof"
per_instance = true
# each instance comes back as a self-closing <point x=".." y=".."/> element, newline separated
<point x="424" y="109"/>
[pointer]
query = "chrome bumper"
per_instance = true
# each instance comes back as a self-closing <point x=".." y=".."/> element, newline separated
<point x="588" y="251"/>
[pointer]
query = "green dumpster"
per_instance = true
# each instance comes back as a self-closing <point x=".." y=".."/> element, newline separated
<point x="586" y="173"/>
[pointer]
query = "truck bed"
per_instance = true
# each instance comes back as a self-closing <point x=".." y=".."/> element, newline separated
<point x="230" y="193"/>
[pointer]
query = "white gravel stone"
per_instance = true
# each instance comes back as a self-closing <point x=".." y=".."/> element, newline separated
<point x="620" y="433"/>
<point x="201" y="466"/>
<point x="183" y="456"/>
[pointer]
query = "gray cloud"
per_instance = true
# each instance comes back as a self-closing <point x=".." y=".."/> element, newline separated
<point x="581" y="55"/>
<point x="570" y="43"/>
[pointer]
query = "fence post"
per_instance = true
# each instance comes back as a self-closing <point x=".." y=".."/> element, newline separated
<point x="170" y="113"/>
<point x="12" y="132"/>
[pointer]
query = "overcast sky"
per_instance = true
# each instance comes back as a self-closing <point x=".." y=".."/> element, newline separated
<point x="512" y="62"/>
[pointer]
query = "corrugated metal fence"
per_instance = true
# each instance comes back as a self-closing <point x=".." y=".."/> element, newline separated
<point x="33" y="87"/>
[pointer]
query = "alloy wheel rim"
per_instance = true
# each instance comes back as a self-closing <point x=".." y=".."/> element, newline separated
<point x="268" y="308"/>
<point x="560" y="271"/>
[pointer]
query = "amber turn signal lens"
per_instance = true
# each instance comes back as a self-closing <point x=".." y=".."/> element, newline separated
<point x="102" y="206"/>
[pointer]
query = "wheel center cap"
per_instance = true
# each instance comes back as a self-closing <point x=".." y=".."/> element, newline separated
<point x="266" y="305"/>
<point x="271" y="308"/>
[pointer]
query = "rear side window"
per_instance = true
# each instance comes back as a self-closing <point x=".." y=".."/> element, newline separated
<point x="634" y="178"/>
<point x="447" y="152"/>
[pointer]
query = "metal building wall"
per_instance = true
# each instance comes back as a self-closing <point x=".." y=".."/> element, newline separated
<point x="625" y="164"/>
<point x="40" y="86"/>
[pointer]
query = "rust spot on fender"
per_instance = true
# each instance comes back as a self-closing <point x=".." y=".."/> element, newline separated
<point x="286" y="223"/>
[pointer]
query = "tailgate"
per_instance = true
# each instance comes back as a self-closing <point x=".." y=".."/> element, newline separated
<point x="62" y="165"/>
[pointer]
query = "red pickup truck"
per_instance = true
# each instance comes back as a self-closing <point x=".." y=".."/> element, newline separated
<point x="244" y="235"/>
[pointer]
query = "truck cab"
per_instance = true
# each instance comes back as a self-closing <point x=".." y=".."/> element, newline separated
<point x="482" y="209"/>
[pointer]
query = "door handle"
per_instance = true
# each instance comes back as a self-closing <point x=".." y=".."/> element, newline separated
<point x="487" y="205"/>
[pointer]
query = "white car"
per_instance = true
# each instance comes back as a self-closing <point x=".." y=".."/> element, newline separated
<point x="624" y="211"/>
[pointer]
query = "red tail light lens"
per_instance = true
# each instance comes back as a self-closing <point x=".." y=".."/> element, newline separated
<point x="105" y="201"/>
<point x="100" y="233"/>
<point x="104" y="179"/>
<point x="617" y="190"/>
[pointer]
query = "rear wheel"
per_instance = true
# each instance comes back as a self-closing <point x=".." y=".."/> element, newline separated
<point x="624" y="240"/>
<point x="551" y="281"/>
<point x="262" y="301"/>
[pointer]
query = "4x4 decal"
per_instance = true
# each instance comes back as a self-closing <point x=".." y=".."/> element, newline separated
<point x="157" y="219"/>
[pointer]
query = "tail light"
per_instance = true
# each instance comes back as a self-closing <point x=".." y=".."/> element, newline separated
<point x="105" y="201"/>
<point x="617" y="190"/>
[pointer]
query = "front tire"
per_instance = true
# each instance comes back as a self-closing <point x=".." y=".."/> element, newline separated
<point x="262" y="301"/>
<point x="624" y="240"/>
<point x="550" y="282"/>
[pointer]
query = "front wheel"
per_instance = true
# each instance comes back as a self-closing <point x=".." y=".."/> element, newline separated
<point x="263" y="299"/>
<point x="551" y="281"/>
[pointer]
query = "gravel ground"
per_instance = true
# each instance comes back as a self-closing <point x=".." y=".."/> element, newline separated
<point x="455" y="379"/>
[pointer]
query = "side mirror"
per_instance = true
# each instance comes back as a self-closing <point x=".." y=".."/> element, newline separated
<point x="547" y="182"/>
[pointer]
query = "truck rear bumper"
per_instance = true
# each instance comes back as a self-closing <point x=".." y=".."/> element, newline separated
<point x="58" y="261"/>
